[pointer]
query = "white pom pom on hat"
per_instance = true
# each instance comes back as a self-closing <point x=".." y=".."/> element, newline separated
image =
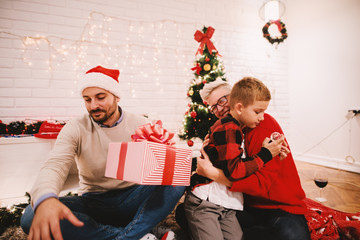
<point x="101" y="77"/>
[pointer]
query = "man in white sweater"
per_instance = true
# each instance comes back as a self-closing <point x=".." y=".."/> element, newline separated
<point x="106" y="208"/>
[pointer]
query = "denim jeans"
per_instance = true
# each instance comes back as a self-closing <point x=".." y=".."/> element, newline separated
<point x="120" y="214"/>
<point x="268" y="224"/>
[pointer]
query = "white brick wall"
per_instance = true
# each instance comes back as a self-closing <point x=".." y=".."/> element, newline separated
<point x="153" y="55"/>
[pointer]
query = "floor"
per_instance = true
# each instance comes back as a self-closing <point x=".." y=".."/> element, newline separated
<point x="342" y="193"/>
<point x="343" y="189"/>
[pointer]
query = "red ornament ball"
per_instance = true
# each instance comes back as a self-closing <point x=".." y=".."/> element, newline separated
<point x="190" y="143"/>
<point x="207" y="59"/>
<point x="275" y="136"/>
<point x="193" y="114"/>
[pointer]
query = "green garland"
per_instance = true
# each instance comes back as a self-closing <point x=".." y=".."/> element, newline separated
<point x="21" y="127"/>
<point x="10" y="216"/>
<point x="282" y="29"/>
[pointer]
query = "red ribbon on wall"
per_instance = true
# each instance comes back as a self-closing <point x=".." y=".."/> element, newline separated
<point x="277" y="23"/>
<point x="204" y="38"/>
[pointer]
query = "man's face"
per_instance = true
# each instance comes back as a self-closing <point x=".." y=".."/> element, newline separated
<point x="252" y="115"/>
<point x="216" y="99"/>
<point x="101" y="105"/>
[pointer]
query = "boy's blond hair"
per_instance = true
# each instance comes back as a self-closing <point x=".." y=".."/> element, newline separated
<point x="247" y="91"/>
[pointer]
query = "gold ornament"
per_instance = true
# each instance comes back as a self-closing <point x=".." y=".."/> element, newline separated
<point x="207" y="67"/>
<point x="214" y="67"/>
<point x="191" y="92"/>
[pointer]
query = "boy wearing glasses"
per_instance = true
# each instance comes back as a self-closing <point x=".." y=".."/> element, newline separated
<point x="210" y="207"/>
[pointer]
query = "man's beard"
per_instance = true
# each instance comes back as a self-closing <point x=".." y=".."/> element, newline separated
<point x="103" y="119"/>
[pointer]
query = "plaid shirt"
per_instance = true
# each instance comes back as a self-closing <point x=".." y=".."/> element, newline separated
<point x="225" y="150"/>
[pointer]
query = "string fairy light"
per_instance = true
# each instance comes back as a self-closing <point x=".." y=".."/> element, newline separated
<point x="97" y="40"/>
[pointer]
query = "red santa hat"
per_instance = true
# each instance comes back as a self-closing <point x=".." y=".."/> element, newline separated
<point x="101" y="77"/>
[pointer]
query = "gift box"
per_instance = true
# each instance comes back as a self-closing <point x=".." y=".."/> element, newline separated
<point x="149" y="163"/>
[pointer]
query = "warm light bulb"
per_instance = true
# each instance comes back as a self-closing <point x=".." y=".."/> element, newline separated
<point x="272" y="10"/>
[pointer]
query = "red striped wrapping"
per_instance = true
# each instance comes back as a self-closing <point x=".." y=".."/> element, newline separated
<point x="149" y="163"/>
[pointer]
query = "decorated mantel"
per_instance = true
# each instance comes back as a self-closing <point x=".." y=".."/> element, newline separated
<point x="24" y="146"/>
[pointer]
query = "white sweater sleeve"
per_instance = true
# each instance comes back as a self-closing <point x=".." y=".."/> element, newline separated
<point x="55" y="170"/>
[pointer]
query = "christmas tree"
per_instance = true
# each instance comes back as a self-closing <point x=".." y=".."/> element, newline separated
<point x="207" y="68"/>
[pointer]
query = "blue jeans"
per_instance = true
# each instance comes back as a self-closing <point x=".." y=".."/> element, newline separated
<point x="120" y="214"/>
<point x="268" y="224"/>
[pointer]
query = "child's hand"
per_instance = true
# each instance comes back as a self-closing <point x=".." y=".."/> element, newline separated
<point x="206" y="141"/>
<point x="275" y="146"/>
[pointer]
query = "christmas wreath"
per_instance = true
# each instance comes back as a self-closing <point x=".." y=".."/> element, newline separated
<point x="282" y="30"/>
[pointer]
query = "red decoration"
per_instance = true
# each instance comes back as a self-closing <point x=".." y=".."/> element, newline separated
<point x="281" y="28"/>
<point x="193" y="114"/>
<point x="153" y="132"/>
<point x="197" y="68"/>
<point x="49" y="130"/>
<point x="327" y="223"/>
<point x="204" y="82"/>
<point x="204" y="38"/>
<point x="207" y="59"/>
<point x="190" y="143"/>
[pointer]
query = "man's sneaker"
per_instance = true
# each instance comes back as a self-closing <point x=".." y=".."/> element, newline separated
<point x="149" y="236"/>
<point x="160" y="230"/>
<point x="170" y="235"/>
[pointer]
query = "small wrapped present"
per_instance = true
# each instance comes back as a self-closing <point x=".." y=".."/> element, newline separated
<point x="150" y="160"/>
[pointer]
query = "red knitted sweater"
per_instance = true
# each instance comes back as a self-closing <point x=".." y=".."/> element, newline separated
<point x="277" y="184"/>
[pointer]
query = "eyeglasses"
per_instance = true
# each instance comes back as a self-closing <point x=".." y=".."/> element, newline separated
<point x="221" y="102"/>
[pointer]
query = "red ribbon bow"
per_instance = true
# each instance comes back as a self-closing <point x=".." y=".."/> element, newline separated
<point x="277" y="23"/>
<point x="197" y="68"/>
<point x="153" y="132"/>
<point x="204" y="38"/>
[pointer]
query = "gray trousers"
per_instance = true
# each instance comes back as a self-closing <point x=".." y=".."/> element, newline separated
<point x="207" y="220"/>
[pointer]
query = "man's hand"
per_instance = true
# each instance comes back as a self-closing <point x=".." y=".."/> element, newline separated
<point x="204" y="166"/>
<point x="284" y="151"/>
<point x="206" y="169"/>
<point x="46" y="222"/>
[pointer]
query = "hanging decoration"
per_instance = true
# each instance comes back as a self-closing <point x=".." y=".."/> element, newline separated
<point x="271" y="12"/>
<point x="281" y="27"/>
